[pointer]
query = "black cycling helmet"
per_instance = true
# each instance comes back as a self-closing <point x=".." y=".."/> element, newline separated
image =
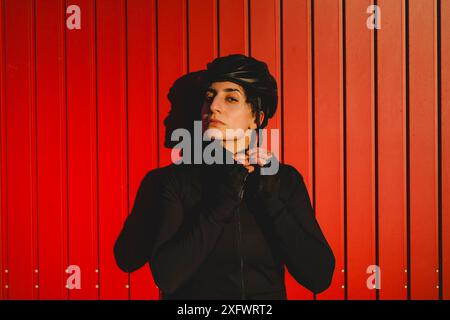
<point x="253" y="75"/>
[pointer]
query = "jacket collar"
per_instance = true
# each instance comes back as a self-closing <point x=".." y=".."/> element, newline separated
<point x="227" y="157"/>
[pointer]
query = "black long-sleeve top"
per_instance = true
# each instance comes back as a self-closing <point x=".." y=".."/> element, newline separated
<point x="192" y="255"/>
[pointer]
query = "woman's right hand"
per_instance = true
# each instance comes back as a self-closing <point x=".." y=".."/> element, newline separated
<point x="243" y="158"/>
<point x="252" y="157"/>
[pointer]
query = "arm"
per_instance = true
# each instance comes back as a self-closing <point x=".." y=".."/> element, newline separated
<point x="183" y="244"/>
<point x="292" y="222"/>
<point x="133" y="245"/>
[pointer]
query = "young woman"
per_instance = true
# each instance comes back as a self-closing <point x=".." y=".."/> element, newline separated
<point x="225" y="230"/>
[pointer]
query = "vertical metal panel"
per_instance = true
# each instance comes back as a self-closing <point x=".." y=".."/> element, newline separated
<point x="142" y="115"/>
<point x="265" y="41"/>
<point x="202" y="36"/>
<point x="20" y="149"/>
<point x="265" y="46"/>
<point x="112" y="126"/>
<point x="51" y="150"/>
<point x="233" y="27"/>
<point x="329" y="135"/>
<point x="82" y="151"/>
<point x="423" y="149"/>
<point x="202" y="32"/>
<point x="3" y="212"/>
<point x="445" y="147"/>
<point x="360" y="150"/>
<point x="297" y="101"/>
<point x="172" y="60"/>
<point x="392" y="151"/>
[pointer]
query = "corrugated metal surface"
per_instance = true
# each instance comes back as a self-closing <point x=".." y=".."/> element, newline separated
<point x="364" y="116"/>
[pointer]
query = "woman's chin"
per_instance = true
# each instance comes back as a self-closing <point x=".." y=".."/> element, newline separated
<point x="213" y="133"/>
<point x="218" y="134"/>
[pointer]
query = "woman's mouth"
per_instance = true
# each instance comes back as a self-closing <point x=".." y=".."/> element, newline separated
<point x="215" y="122"/>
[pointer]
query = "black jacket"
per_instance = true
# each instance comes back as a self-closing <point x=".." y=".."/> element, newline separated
<point x="203" y="244"/>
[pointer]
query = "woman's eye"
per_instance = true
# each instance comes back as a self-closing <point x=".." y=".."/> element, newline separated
<point x="229" y="99"/>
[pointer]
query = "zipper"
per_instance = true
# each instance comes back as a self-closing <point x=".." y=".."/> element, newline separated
<point x="241" y="196"/>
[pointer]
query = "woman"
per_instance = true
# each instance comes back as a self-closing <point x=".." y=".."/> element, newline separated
<point x="226" y="231"/>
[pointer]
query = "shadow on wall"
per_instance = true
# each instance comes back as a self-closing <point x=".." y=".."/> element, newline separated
<point x="186" y="97"/>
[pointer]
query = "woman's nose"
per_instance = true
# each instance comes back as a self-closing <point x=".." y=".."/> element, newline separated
<point x="215" y="105"/>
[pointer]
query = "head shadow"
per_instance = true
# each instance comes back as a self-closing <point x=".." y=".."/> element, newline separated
<point x="186" y="97"/>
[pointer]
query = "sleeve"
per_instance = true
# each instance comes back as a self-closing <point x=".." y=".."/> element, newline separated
<point x="182" y="243"/>
<point x="133" y="245"/>
<point x="294" y="227"/>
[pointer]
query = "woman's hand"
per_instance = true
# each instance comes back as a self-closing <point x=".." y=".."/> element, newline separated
<point x="254" y="156"/>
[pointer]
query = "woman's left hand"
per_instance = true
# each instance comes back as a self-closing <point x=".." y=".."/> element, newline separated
<point x="259" y="156"/>
<point x="254" y="156"/>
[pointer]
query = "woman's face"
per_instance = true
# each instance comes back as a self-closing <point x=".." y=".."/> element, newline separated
<point x="225" y="102"/>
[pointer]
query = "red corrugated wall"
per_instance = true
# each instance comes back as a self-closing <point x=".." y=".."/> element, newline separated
<point x="364" y="116"/>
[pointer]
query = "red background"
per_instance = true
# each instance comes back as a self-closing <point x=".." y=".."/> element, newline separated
<point x="364" y="116"/>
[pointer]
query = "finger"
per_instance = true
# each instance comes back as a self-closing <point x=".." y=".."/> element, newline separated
<point x="260" y="151"/>
<point x="241" y="158"/>
<point x="255" y="149"/>
<point x="255" y="158"/>
<point x="256" y="153"/>
<point x="240" y="154"/>
<point x="261" y="161"/>
<point x="260" y="155"/>
<point x="244" y="162"/>
<point x="250" y="168"/>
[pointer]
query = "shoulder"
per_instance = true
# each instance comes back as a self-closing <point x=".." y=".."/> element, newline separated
<point x="291" y="181"/>
<point x="181" y="174"/>
<point x="284" y="171"/>
<point x="290" y="171"/>
<point x="155" y="176"/>
<point x="289" y="174"/>
<point x="172" y="178"/>
<point x="167" y="173"/>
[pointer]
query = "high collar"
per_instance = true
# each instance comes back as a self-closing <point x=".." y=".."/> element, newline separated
<point x="227" y="155"/>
